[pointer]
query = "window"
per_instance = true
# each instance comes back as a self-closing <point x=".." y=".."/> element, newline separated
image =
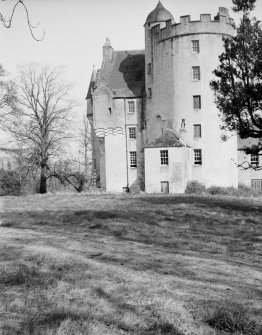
<point x="133" y="159"/>
<point x="198" y="156"/>
<point x="197" y="102"/>
<point x="150" y="92"/>
<point x="164" y="157"/>
<point x="132" y="132"/>
<point x="197" y="130"/>
<point x="149" y="68"/>
<point x="109" y="111"/>
<point x="196" y="72"/>
<point x="131" y="107"/>
<point x="195" y="46"/>
<point x="254" y="159"/>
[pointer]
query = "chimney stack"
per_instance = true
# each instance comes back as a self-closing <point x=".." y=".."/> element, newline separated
<point x="182" y="132"/>
<point x="107" y="50"/>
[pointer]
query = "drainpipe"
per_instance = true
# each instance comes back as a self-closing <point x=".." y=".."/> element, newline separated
<point x="127" y="175"/>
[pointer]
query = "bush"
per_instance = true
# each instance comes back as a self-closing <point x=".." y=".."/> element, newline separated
<point x="241" y="191"/>
<point x="195" y="187"/>
<point x="231" y="319"/>
<point x="220" y="190"/>
<point x="9" y="183"/>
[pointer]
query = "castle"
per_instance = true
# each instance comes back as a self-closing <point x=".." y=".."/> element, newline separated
<point x="154" y="123"/>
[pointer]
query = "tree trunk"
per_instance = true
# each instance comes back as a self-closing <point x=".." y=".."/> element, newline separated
<point x="43" y="179"/>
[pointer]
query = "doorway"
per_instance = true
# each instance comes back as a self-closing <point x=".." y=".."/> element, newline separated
<point x="164" y="187"/>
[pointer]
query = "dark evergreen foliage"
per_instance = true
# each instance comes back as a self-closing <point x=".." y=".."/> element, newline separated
<point x="238" y="87"/>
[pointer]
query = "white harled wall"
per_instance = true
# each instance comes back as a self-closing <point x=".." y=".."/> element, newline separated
<point x="169" y="50"/>
<point x="115" y="161"/>
<point x="177" y="172"/>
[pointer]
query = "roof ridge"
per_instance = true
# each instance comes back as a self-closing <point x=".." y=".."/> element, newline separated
<point x="129" y="50"/>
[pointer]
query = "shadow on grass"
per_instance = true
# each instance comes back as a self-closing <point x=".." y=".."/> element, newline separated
<point x="227" y="203"/>
<point x="159" y="326"/>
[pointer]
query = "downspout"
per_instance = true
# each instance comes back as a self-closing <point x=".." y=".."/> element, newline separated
<point x="127" y="176"/>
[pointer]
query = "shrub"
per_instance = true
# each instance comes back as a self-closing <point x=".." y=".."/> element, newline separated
<point x="231" y="319"/>
<point x="220" y="190"/>
<point x="9" y="183"/>
<point x="241" y="191"/>
<point x="195" y="187"/>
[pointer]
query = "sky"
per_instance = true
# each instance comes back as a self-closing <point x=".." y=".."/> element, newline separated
<point x="75" y="31"/>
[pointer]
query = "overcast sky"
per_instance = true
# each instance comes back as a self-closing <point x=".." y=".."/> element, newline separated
<point x="75" y="31"/>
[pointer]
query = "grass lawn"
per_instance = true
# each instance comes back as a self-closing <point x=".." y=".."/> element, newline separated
<point x="108" y="264"/>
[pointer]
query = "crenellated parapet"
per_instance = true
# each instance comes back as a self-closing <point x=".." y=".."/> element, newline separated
<point x="222" y="24"/>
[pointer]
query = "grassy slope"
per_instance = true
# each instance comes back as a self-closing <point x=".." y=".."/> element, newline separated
<point x="90" y="264"/>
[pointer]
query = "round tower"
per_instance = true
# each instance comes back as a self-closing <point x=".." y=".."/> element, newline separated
<point x="180" y="60"/>
<point x="158" y="17"/>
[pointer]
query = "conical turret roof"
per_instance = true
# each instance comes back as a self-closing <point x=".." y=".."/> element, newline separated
<point x="159" y="14"/>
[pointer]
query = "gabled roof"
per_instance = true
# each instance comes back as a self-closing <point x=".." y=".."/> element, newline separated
<point x="167" y="139"/>
<point x="124" y="74"/>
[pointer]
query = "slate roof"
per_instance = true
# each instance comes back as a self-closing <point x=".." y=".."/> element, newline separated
<point x="167" y="139"/>
<point x="159" y="14"/>
<point x="92" y="84"/>
<point x="124" y="74"/>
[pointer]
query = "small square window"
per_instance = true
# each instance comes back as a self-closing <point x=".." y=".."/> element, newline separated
<point x="133" y="159"/>
<point x="196" y="72"/>
<point x="132" y="133"/>
<point x="198" y="156"/>
<point x="164" y="157"/>
<point x="149" y="68"/>
<point x="254" y="160"/>
<point x="197" y="102"/>
<point x="195" y="46"/>
<point x="149" y="92"/>
<point x="131" y="107"/>
<point x="197" y="130"/>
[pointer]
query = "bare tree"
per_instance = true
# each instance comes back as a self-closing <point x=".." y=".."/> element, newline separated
<point x="85" y="145"/>
<point x="7" y="21"/>
<point x="7" y="94"/>
<point x="77" y="170"/>
<point x="40" y="123"/>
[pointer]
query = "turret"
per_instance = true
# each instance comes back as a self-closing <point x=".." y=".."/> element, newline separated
<point x="162" y="18"/>
<point x="158" y="15"/>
